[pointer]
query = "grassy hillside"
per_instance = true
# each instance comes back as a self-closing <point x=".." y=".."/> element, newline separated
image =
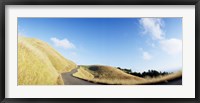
<point x="38" y="63"/>
<point x="106" y="74"/>
<point x="112" y="75"/>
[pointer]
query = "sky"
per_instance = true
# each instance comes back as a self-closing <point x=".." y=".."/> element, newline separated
<point x="139" y="44"/>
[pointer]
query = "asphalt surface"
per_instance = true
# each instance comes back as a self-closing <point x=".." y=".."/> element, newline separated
<point x="69" y="79"/>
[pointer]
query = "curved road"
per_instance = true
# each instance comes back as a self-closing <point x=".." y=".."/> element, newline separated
<point x="69" y="79"/>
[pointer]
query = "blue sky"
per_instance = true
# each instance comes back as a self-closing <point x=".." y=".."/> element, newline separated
<point x="136" y="43"/>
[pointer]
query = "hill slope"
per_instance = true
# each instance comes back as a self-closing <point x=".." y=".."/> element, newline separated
<point x="112" y="75"/>
<point x="106" y="74"/>
<point x="38" y="63"/>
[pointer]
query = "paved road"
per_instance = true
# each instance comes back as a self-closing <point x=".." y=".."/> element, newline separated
<point x="71" y="80"/>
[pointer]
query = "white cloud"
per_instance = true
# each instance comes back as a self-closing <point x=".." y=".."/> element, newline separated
<point x="146" y="55"/>
<point x="153" y="27"/>
<point x="65" y="43"/>
<point x="171" y="46"/>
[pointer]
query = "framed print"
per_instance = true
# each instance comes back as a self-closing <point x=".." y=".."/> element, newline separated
<point x="100" y="51"/>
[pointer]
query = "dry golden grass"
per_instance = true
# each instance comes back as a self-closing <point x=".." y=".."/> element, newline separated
<point x="111" y="75"/>
<point x="39" y="64"/>
<point x="106" y="75"/>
